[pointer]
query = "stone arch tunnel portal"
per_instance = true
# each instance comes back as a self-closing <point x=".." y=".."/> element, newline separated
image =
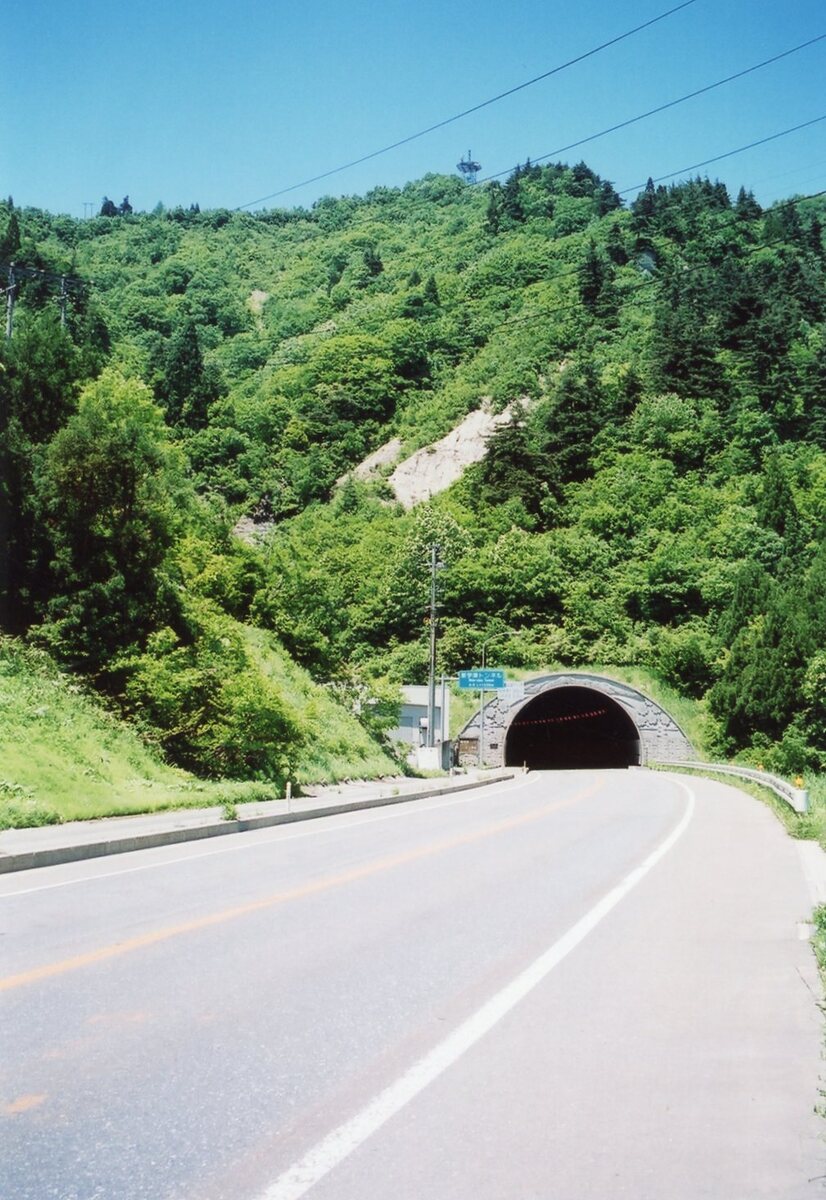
<point x="570" y="727"/>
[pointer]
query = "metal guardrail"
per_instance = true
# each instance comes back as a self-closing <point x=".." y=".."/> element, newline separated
<point x="798" y="798"/>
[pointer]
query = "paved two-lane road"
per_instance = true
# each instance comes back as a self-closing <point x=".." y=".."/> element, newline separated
<point x="569" y="986"/>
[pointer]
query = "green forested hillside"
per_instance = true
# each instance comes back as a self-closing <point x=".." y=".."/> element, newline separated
<point x="659" y="502"/>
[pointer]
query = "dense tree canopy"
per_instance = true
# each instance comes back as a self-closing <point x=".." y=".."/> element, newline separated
<point x="659" y="497"/>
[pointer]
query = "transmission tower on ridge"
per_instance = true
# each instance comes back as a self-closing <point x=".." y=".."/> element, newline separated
<point x="469" y="168"/>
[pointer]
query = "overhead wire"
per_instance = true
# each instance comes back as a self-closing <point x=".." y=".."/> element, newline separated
<point x="706" y="162"/>
<point x="663" y="107"/>
<point x="468" y="111"/>
<point x="19" y="269"/>
<point x="75" y="282"/>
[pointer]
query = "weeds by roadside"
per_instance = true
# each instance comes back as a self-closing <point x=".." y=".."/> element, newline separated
<point x="21" y="809"/>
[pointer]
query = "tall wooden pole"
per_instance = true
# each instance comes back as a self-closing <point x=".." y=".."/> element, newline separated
<point x="10" y="296"/>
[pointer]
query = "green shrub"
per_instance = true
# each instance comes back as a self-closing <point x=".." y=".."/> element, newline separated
<point x="685" y="657"/>
<point x="214" y="712"/>
<point x="819" y="939"/>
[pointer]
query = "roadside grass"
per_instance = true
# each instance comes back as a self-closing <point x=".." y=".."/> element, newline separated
<point x="816" y="816"/>
<point x="819" y="937"/>
<point x="64" y="757"/>
<point x="463" y="704"/>
<point x="809" y="826"/>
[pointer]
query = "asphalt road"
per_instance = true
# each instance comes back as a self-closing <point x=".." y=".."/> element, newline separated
<point x="570" y="986"/>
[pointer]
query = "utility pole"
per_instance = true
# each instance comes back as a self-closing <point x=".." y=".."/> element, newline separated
<point x="11" y="291"/>
<point x="435" y="566"/>
<point x="64" y="296"/>
<point x="482" y="711"/>
<point x="444" y="732"/>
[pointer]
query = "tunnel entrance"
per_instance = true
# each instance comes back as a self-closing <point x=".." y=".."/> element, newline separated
<point x="570" y="727"/>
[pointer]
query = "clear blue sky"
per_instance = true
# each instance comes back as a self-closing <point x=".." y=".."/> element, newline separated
<point x="221" y="103"/>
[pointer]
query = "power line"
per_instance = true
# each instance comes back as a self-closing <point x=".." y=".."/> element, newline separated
<point x="664" y="107"/>
<point x="16" y="273"/>
<point x="467" y="112"/>
<point x="639" y="187"/>
<point x="729" y="154"/>
<point x="24" y="272"/>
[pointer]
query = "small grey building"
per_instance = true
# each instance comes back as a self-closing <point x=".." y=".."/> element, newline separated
<point x="412" y="728"/>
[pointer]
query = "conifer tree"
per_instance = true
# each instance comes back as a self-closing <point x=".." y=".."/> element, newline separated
<point x="187" y="387"/>
<point x="776" y="508"/>
<point x="10" y="242"/>
<point x="106" y="492"/>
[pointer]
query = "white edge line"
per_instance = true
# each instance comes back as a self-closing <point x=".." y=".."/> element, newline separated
<point x="341" y="1142"/>
<point x="276" y="837"/>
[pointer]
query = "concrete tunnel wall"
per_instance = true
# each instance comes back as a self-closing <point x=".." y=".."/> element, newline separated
<point x="573" y="719"/>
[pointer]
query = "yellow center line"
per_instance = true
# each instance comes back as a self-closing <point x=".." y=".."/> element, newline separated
<point x="22" y="1104"/>
<point x="314" y="888"/>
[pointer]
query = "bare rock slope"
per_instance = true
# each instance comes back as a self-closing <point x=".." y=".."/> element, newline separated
<point x="435" y="467"/>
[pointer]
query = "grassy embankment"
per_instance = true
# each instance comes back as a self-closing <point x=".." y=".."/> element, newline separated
<point x="64" y="757"/>
<point x="336" y="746"/>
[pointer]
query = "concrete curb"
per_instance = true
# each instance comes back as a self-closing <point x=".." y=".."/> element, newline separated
<point x="54" y="855"/>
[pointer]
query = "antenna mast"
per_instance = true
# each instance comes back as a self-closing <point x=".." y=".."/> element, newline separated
<point x="469" y="168"/>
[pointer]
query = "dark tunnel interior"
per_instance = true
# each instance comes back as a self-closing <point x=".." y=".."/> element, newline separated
<point x="569" y="727"/>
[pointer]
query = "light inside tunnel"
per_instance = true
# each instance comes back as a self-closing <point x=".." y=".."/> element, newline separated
<point x="569" y="727"/>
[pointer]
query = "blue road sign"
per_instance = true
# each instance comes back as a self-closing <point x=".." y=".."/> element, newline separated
<point x="482" y="681"/>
